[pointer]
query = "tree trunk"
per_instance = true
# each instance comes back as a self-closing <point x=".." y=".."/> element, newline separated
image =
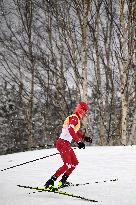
<point x="132" y="137"/>
<point x="84" y="50"/>
<point x="127" y="51"/>
<point x="84" y="56"/>
<point x="29" y="16"/>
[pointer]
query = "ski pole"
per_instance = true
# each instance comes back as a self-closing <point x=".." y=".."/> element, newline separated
<point x="18" y="165"/>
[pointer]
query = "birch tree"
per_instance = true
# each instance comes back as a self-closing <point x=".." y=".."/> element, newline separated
<point x="125" y="61"/>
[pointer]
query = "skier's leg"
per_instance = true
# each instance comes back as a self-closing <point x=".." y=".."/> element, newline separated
<point x="71" y="166"/>
<point x="64" y="148"/>
<point x="74" y="163"/>
<point x="61" y="170"/>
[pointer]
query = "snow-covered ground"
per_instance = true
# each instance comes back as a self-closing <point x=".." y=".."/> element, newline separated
<point x="96" y="164"/>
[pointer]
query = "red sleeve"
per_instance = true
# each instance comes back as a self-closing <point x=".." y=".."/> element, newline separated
<point x="73" y="134"/>
<point x="73" y="121"/>
<point x="81" y="135"/>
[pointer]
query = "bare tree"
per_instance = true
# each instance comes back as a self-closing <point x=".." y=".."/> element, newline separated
<point x="59" y="52"/>
<point x="125" y="61"/>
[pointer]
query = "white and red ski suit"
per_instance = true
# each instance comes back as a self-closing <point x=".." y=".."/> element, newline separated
<point x="70" y="131"/>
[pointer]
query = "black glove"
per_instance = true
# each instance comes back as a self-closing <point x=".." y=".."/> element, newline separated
<point x="88" y="139"/>
<point x="81" y="145"/>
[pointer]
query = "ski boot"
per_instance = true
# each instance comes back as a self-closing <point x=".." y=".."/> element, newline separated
<point x="50" y="184"/>
<point x="63" y="182"/>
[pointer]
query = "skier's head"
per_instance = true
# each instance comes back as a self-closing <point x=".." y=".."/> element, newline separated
<point x="81" y="109"/>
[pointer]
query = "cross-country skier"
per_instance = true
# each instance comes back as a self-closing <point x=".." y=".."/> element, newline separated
<point x="70" y="131"/>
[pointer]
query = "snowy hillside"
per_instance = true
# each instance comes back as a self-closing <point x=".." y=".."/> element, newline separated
<point x="97" y="164"/>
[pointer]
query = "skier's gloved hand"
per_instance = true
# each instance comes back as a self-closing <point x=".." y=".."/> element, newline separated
<point x="81" y="145"/>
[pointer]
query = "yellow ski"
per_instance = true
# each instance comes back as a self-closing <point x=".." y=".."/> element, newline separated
<point x="56" y="191"/>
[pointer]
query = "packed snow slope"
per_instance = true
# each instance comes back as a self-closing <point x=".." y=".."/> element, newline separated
<point x="96" y="164"/>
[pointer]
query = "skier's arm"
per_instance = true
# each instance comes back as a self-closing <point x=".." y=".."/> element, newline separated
<point x="73" y="122"/>
<point x="76" y="138"/>
<point x="82" y="136"/>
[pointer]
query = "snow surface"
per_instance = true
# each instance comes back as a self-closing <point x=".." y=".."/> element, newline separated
<point x="96" y="164"/>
